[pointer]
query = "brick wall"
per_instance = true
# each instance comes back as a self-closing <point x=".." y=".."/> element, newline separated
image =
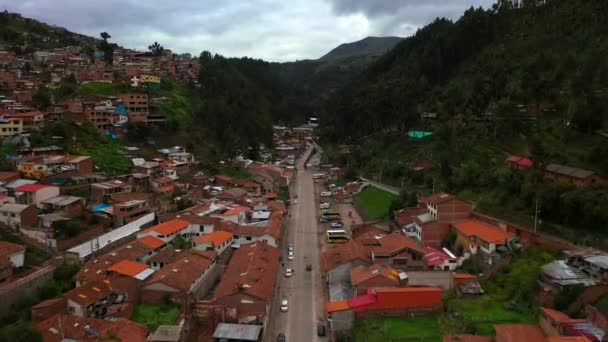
<point x="12" y="293"/>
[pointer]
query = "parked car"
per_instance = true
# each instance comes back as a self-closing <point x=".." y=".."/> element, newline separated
<point x="321" y="330"/>
<point x="284" y="305"/>
<point x="288" y="273"/>
<point x="336" y="224"/>
<point x="290" y="248"/>
<point x="326" y="194"/>
<point x="324" y="205"/>
<point x="309" y="267"/>
<point x="281" y="338"/>
<point x="322" y="220"/>
<point x="290" y="256"/>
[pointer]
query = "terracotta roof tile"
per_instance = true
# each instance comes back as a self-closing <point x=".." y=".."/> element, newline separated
<point x="61" y="327"/>
<point x="128" y="268"/>
<point x="467" y="338"/>
<point x="361" y="274"/>
<point x="343" y="253"/>
<point x="152" y="241"/>
<point x="519" y="332"/>
<point x="482" y="231"/>
<point x="9" y="248"/>
<point x="252" y="270"/>
<point x="168" y="228"/>
<point x="181" y="273"/>
<point x="216" y="238"/>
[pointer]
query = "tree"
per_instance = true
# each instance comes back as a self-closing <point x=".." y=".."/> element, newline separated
<point x="89" y="51"/>
<point x="20" y="332"/>
<point x="107" y="48"/>
<point x="41" y="99"/>
<point x="156" y="49"/>
<point x="179" y="242"/>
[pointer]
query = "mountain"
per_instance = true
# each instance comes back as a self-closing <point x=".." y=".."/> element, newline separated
<point x="367" y="46"/>
<point x="544" y="56"/>
<point x="27" y="35"/>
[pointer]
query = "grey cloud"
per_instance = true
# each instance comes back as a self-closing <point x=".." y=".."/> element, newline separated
<point x="276" y="30"/>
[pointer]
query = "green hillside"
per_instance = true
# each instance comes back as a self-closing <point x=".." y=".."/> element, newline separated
<point x="366" y="46"/>
<point x="26" y="35"/>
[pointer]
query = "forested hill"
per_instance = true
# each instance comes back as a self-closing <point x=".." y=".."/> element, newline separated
<point x="366" y="46"/>
<point x="26" y="35"/>
<point x="241" y="99"/>
<point x="548" y="56"/>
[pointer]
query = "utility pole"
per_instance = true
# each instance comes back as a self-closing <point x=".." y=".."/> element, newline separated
<point x="536" y="211"/>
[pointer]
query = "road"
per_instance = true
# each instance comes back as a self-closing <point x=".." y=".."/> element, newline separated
<point x="390" y="189"/>
<point x="304" y="290"/>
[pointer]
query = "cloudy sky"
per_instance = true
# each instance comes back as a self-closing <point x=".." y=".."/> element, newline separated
<point x="275" y="30"/>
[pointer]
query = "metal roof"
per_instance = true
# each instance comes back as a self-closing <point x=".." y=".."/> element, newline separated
<point x="144" y="274"/>
<point x="62" y="200"/>
<point x="13" y="207"/>
<point x="241" y="332"/>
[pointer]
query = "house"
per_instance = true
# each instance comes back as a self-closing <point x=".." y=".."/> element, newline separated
<point x="249" y="280"/>
<point x="363" y="278"/>
<point x="572" y="175"/>
<point x="473" y="234"/>
<point x="519" y="163"/>
<point x="130" y="206"/>
<point x="17" y="216"/>
<point x="518" y="332"/>
<point x="137" y="106"/>
<point x="150" y="168"/>
<point x="100" y="299"/>
<point x="102" y="192"/>
<point x="217" y="241"/>
<point x="48" y="308"/>
<point x="31" y="119"/>
<point x="96" y="268"/>
<point x="581" y="267"/>
<point x="235" y="213"/>
<point x="394" y="249"/>
<point x="269" y="231"/>
<point x="12" y="256"/>
<point x="68" y="327"/>
<point x="184" y="280"/>
<point x="338" y="261"/>
<point x="131" y="269"/>
<point x="430" y="221"/>
<point x="162" y="185"/>
<point x="167" y="231"/>
<point x="35" y="194"/>
<point x="10" y="126"/>
<point x="440" y="260"/>
<point x="67" y="206"/>
<point x="54" y="166"/>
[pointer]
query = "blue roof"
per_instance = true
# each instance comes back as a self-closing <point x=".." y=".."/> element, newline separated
<point x="99" y="207"/>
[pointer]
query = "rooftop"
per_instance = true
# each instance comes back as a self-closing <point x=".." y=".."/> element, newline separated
<point x="63" y="327"/>
<point x="237" y="332"/>
<point x="128" y="268"/>
<point x="168" y="228"/>
<point x="216" y="238"/>
<point x="482" y="231"/>
<point x="152" y="241"/>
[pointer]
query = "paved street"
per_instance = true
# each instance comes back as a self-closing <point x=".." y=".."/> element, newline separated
<point x="305" y="289"/>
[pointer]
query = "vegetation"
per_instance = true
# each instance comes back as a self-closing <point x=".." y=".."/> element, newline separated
<point x="283" y="194"/>
<point x="375" y="202"/>
<point x="16" y="326"/>
<point x="156" y="49"/>
<point x="83" y="139"/>
<point x="153" y="316"/>
<point x="33" y="255"/>
<point x="24" y="35"/>
<point x="424" y="329"/>
<point x="98" y="89"/>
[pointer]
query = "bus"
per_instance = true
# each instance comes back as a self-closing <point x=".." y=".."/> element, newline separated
<point x="336" y="236"/>
<point x="328" y="212"/>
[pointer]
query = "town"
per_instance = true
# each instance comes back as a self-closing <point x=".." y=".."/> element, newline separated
<point x="114" y="228"/>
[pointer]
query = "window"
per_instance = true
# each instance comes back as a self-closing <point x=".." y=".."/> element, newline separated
<point x="248" y="238"/>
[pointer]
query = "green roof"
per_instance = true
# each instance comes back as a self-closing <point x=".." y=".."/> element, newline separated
<point x="418" y="134"/>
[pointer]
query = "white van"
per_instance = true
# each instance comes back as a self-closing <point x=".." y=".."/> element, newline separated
<point x="324" y="205"/>
<point x="326" y="194"/>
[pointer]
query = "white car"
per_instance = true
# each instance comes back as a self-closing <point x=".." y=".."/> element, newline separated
<point x="290" y="248"/>
<point x="326" y="194"/>
<point x="336" y="225"/>
<point x="295" y="201"/>
<point x="288" y="273"/>
<point x="284" y="305"/>
<point x="290" y="256"/>
<point x="324" y="205"/>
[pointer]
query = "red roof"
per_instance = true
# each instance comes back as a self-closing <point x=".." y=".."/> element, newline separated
<point x="216" y="238"/>
<point x="357" y="301"/>
<point x="520" y="161"/>
<point x="464" y="276"/>
<point x="435" y="256"/>
<point x="128" y="267"/>
<point x="152" y="241"/>
<point x="482" y="231"/>
<point x="559" y="316"/>
<point x="519" y="332"/>
<point x="169" y="227"/>
<point x="72" y="327"/>
<point x="30" y="187"/>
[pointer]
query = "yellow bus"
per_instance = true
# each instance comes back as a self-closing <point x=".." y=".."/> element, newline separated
<point x="336" y="236"/>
